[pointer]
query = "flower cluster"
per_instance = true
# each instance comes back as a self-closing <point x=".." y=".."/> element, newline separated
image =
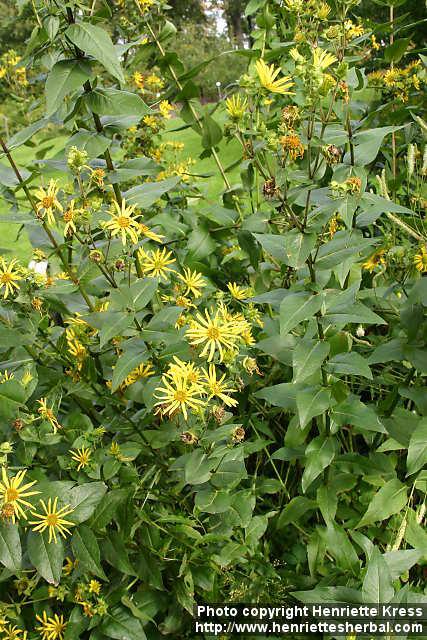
<point x="399" y="82"/>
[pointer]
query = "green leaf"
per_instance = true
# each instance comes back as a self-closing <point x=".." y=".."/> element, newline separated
<point x="211" y="133"/>
<point x="200" y="244"/>
<point x="131" y="358"/>
<point x="90" y="141"/>
<point x="65" y="76"/>
<point x="46" y="557"/>
<point x="318" y="455"/>
<point x="107" y="508"/>
<point x="417" y="451"/>
<point x="341" y="549"/>
<point x="281" y="395"/>
<point x="308" y="358"/>
<point x="394" y="52"/>
<point x="344" y="245"/>
<point x="368" y="143"/>
<point x="24" y="135"/>
<point x="142" y="292"/>
<point x="311" y="402"/>
<point x="10" y="546"/>
<point x="349" y="364"/>
<point x="96" y="42"/>
<point x="115" y="323"/>
<point x="353" y="313"/>
<point x="361" y="416"/>
<point x="85" y="548"/>
<point x="254" y="5"/>
<point x="119" y="108"/>
<point x="116" y="554"/>
<point x="294" y="510"/>
<point x="84" y="498"/>
<point x="296" y="308"/>
<point x="213" y="501"/>
<point x="145" y="195"/>
<point x="298" y="247"/>
<point x="377" y="586"/>
<point x="197" y="469"/>
<point x="121" y="625"/>
<point x="390" y="499"/>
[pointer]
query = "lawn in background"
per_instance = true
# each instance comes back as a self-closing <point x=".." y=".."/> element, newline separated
<point x="14" y="240"/>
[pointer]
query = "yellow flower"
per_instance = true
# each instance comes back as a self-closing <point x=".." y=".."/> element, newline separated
<point x="178" y="395"/>
<point x="12" y="493"/>
<point x="156" y="263"/>
<point x="145" y="5"/>
<point x="5" y="376"/>
<point x="9" y="276"/>
<point x="3" y="72"/>
<point x="165" y="108"/>
<point x="151" y="122"/>
<point x="323" y="11"/>
<point x="122" y="223"/>
<point x="82" y="457"/>
<point x="149" y="233"/>
<point x="420" y="260"/>
<point x="239" y="293"/>
<point x="48" y="202"/>
<point x="69" y="217"/>
<point x="236" y="106"/>
<point x="217" y="388"/>
<point x="47" y="414"/>
<point x="138" y="79"/>
<point x="68" y="566"/>
<point x="51" y="628"/>
<point x="193" y="281"/>
<point x="267" y="76"/>
<point x="187" y="371"/>
<point x="13" y="633"/>
<point x="141" y="372"/>
<point x="216" y="333"/>
<point x="94" y="587"/>
<point x="76" y="349"/>
<point x="322" y="59"/>
<point x="52" y="519"/>
<point x="154" y="82"/>
<point x="375" y="260"/>
<point x="375" y="44"/>
<point x="293" y="145"/>
<point x="353" y="30"/>
<point x="97" y="176"/>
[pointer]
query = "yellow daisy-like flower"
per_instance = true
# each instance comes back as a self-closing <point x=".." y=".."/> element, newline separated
<point x="185" y="370"/>
<point x="148" y="233"/>
<point x="13" y="633"/>
<point x="193" y="281"/>
<point x="138" y="79"/>
<point x="178" y="395"/>
<point x="76" y="349"/>
<point x="322" y="59"/>
<point x="156" y="263"/>
<point x="123" y="223"/>
<point x="51" y="628"/>
<point x="48" y="202"/>
<point x="69" y="217"/>
<point x="420" y="260"/>
<point x="216" y="333"/>
<point x="52" y="519"/>
<point x="267" y="76"/>
<point x="165" y="108"/>
<point x="375" y="260"/>
<point x="154" y="82"/>
<point x="68" y="566"/>
<point x="82" y="457"/>
<point x="94" y="587"/>
<point x="217" y="388"/>
<point x="47" y="414"/>
<point x="239" y="293"/>
<point x="5" y="376"/>
<point x="236" y="106"/>
<point x="9" y="277"/>
<point x="12" y="494"/>
<point x="142" y="371"/>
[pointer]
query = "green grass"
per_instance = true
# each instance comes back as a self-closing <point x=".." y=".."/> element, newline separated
<point x="14" y="240"/>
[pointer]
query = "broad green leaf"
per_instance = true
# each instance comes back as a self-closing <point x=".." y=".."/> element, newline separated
<point x="46" y="557"/>
<point x="10" y="546"/>
<point x="115" y="323"/>
<point x="298" y="247"/>
<point x="349" y="364"/>
<point x="390" y="499"/>
<point x="387" y="352"/>
<point x="273" y="244"/>
<point x="368" y="143"/>
<point x="146" y="194"/>
<point x="361" y="416"/>
<point x="119" y="624"/>
<point x="92" y="142"/>
<point x="318" y="455"/>
<point x="417" y="451"/>
<point x="358" y="313"/>
<point x="378" y="585"/>
<point x="64" y="77"/>
<point x="294" y="510"/>
<point x="308" y="358"/>
<point x="107" y="508"/>
<point x="84" y="498"/>
<point x="24" y="135"/>
<point x="341" y="549"/>
<point x="86" y="549"/>
<point x="121" y="109"/>
<point x="115" y="552"/>
<point x="97" y="43"/>
<point x="213" y="501"/>
<point x="343" y="246"/>
<point x="133" y="355"/>
<point x="401" y="561"/>
<point x="311" y="402"/>
<point x="200" y="243"/>
<point x="142" y="291"/>
<point x="230" y="471"/>
<point x="296" y="308"/>
<point x="394" y="52"/>
<point x="281" y="395"/>
<point x="211" y="133"/>
<point x="197" y="468"/>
